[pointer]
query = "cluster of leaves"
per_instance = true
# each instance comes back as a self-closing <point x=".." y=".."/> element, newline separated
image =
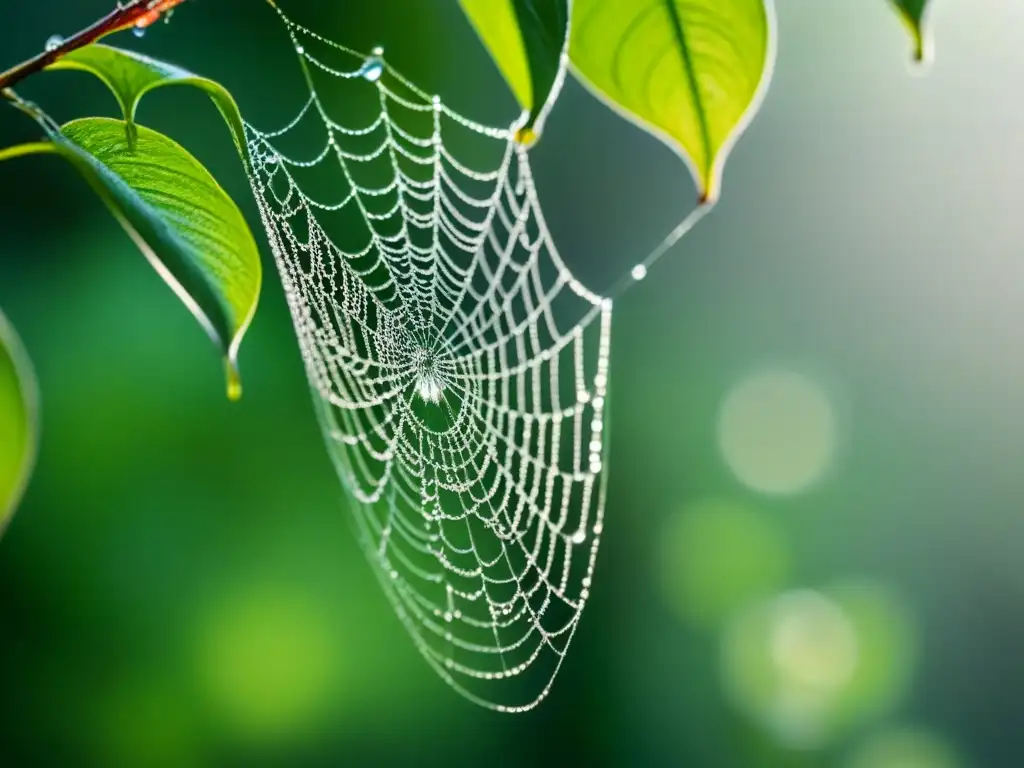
<point x="692" y="72"/>
<point x="173" y="209"/>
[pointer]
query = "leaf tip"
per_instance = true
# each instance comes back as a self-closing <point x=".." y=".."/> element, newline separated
<point x="916" y="23"/>
<point x="923" y="51"/>
<point x="234" y="381"/>
<point x="526" y="136"/>
<point x="709" y="188"/>
<point x="131" y="133"/>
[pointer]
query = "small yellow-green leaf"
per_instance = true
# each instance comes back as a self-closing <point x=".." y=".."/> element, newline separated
<point x="18" y="424"/>
<point x="130" y="76"/>
<point x="527" y="40"/>
<point x="913" y="13"/>
<point x="690" y="71"/>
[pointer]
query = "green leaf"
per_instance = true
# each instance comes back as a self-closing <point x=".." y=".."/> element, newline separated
<point x="527" y="40"/>
<point x="130" y="76"/>
<point x="183" y="222"/>
<point x="186" y="225"/>
<point x="692" y="72"/>
<point x="18" y="421"/>
<point x="913" y="14"/>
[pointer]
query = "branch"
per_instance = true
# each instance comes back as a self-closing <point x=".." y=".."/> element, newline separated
<point x="137" y="13"/>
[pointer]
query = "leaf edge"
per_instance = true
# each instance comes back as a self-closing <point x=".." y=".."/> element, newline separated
<point x="28" y="382"/>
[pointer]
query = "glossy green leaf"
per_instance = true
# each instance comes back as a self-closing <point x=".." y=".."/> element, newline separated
<point x="184" y="223"/>
<point x="527" y="40"/>
<point x="692" y="72"/>
<point x="18" y="424"/>
<point x="913" y="13"/>
<point x="130" y="76"/>
<point x="181" y="219"/>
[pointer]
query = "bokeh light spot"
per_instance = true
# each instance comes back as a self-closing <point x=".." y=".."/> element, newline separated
<point x="813" y="644"/>
<point x="777" y="432"/>
<point x="269" y="663"/>
<point x="717" y="555"/>
<point x="808" y="665"/>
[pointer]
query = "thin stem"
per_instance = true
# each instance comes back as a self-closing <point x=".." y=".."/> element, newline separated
<point x="136" y="13"/>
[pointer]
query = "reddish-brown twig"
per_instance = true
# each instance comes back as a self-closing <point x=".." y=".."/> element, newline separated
<point x="137" y="13"/>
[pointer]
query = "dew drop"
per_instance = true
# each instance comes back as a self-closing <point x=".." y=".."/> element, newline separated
<point x="372" y="70"/>
<point x="54" y="42"/>
<point x="139" y="31"/>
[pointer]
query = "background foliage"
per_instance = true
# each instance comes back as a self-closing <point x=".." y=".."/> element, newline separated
<point x="181" y="587"/>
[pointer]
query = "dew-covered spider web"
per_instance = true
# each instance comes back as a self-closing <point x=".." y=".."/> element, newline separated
<point x="459" y="370"/>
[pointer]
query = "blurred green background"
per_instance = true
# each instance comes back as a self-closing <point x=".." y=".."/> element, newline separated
<point x="812" y="552"/>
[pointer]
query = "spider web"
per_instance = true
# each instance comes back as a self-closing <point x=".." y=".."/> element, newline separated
<point x="459" y="370"/>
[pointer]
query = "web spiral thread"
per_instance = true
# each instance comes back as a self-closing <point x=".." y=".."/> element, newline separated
<point x="459" y="370"/>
